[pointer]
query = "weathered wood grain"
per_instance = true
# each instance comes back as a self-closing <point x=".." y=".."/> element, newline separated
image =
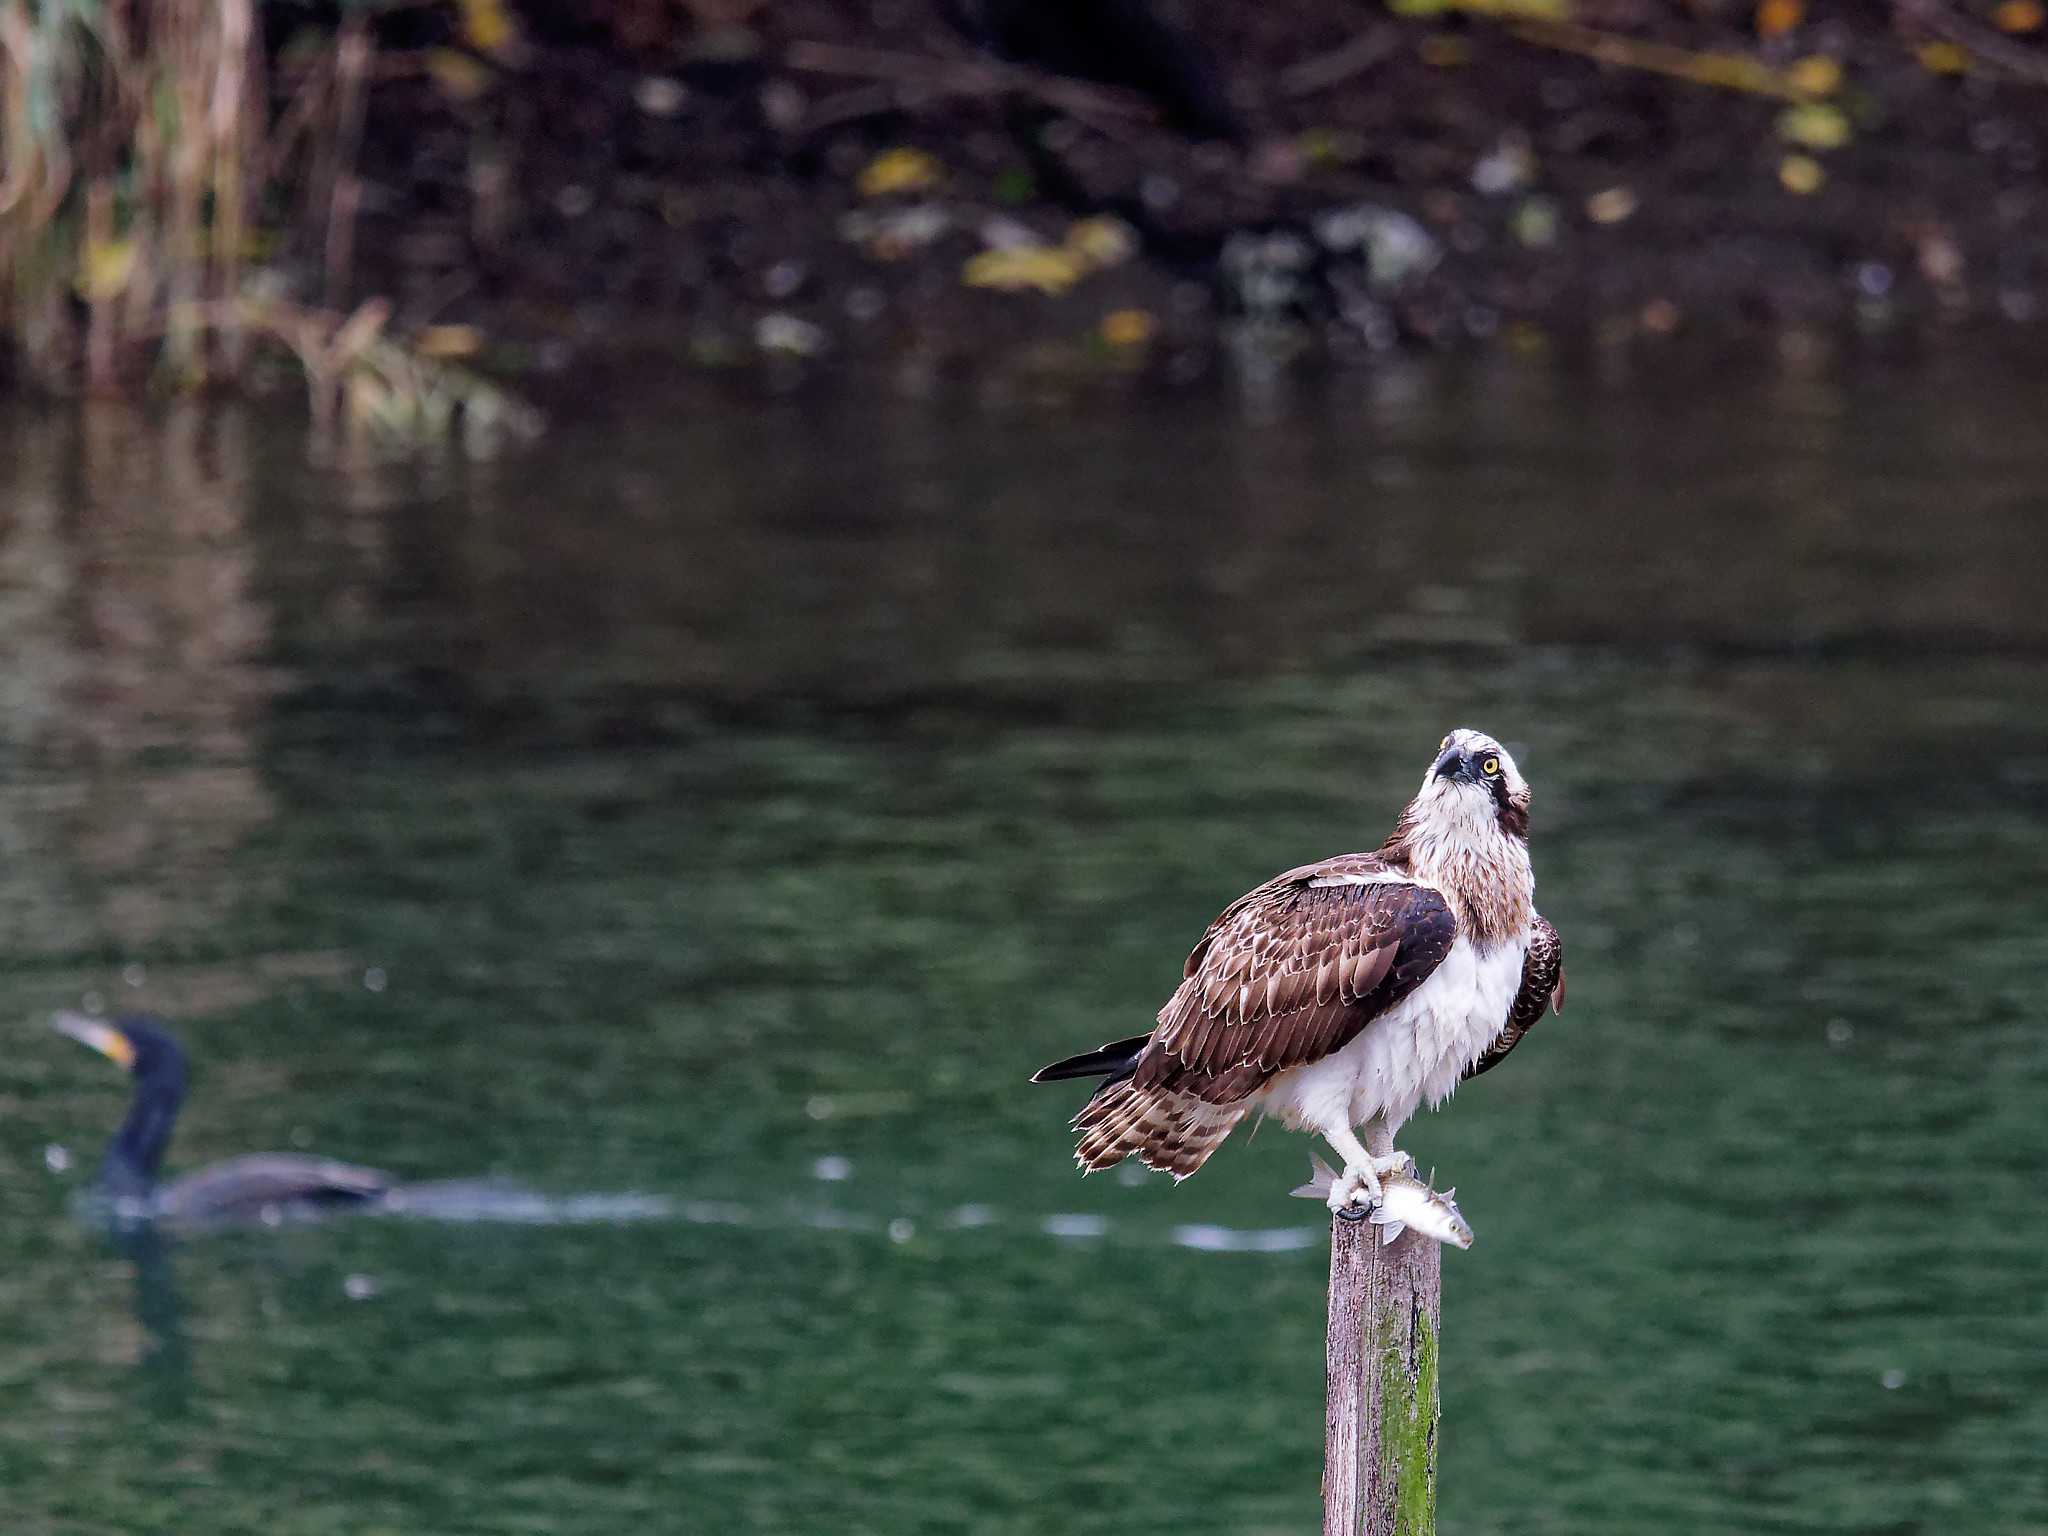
<point x="1379" y="1457"/>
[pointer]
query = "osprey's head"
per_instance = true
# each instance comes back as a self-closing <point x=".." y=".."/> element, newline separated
<point x="1474" y="783"/>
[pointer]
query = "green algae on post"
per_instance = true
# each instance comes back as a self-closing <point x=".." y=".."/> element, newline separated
<point x="1409" y="1409"/>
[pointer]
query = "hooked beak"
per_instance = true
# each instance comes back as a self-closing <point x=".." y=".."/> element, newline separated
<point x="1450" y="764"/>
<point x="104" y="1038"/>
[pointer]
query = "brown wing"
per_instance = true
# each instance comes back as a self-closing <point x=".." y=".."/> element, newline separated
<point x="1542" y="987"/>
<point x="1293" y="971"/>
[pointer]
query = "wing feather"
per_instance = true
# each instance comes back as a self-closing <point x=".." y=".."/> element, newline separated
<point x="1293" y="971"/>
<point x="1542" y="987"/>
<point x="1370" y="969"/>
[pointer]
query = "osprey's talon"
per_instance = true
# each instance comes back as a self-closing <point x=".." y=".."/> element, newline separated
<point x="1396" y="1162"/>
<point x="1355" y="1190"/>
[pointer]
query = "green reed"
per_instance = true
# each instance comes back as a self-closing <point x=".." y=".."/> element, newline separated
<point x="141" y="147"/>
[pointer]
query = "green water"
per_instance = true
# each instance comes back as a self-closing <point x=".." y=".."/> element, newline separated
<point x="735" y="792"/>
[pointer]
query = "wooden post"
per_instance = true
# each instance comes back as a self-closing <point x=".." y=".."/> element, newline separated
<point x="1379" y="1449"/>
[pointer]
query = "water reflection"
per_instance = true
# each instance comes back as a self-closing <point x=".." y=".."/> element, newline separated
<point x="697" y="830"/>
<point x="137" y="672"/>
<point x="918" y="553"/>
<point x="163" y="1364"/>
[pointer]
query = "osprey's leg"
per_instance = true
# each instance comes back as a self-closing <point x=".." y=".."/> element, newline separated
<point x="1379" y="1140"/>
<point x="1359" y="1177"/>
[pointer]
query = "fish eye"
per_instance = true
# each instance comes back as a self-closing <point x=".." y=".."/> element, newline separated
<point x="1491" y="767"/>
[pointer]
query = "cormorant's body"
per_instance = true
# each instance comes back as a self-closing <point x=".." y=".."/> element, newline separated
<point x="260" y="1186"/>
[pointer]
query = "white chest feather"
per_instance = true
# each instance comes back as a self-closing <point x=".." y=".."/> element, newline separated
<point x="1416" y="1051"/>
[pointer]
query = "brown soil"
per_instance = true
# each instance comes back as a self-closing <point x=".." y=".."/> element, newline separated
<point x="1338" y="176"/>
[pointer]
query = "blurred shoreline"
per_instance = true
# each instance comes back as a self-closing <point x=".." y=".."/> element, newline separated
<point x="929" y="192"/>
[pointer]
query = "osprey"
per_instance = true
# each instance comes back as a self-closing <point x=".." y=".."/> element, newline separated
<point x="1341" y="995"/>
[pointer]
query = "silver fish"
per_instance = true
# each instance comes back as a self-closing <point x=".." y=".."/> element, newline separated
<point x="1405" y="1201"/>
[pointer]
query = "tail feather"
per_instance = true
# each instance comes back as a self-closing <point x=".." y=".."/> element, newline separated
<point x="1119" y="1056"/>
<point x="1172" y="1132"/>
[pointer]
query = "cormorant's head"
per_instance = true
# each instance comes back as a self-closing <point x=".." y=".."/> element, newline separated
<point x="153" y="1059"/>
<point x="1473" y="778"/>
<point x="136" y="1046"/>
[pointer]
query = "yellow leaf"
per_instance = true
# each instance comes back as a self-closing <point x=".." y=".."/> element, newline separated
<point x="899" y="170"/>
<point x="460" y="77"/>
<point x="2019" y="16"/>
<point x="1102" y="242"/>
<point x="1128" y="327"/>
<point x="1774" y="18"/>
<point x="1734" y="72"/>
<point x="1330" y="146"/>
<point x="1943" y="59"/>
<point x="1813" y="125"/>
<point x="1535" y="222"/>
<point x="1800" y="174"/>
<point x="1048" y="269"/>
<point x="1611" y="206"/>
<point x="488" y="27"/>
<point x="1729" y="71"/>
<point x="1815" y="75"/>
<point x="445" y="342"/>
<point x="106" y="269"/>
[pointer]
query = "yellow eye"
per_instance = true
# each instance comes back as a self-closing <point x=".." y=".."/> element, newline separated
<point x="1490" y="767"/>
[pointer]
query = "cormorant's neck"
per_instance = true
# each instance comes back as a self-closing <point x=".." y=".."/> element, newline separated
<point x="137" y="1150"/>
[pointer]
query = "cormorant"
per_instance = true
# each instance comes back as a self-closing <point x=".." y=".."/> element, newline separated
<point x="259" y="1186"/>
